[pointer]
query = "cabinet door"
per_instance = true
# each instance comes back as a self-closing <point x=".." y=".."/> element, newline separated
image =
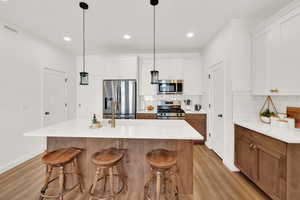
<point x="193" y="77"/>
<point x="271" y="172"/>
<point x="287" y="74"/>
<point x="265" y="56"/>
<point x="246" y="158"/>
<point x="170" y="68"/>
<point x="145" y="86"/>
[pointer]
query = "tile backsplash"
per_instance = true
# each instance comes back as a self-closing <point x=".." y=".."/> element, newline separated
<point x="247" y="106"/>
<point x="153" y="100"/>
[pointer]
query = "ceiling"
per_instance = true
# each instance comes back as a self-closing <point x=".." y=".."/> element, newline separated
<point x="108" y="21"/>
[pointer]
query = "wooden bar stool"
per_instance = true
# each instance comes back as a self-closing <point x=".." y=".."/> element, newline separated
<point x="109" y="169"/>
<point x="59" y="159"/>
<point x="164" y="175"/>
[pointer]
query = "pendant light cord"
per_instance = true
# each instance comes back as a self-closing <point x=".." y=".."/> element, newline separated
<point x="154" y="38"/>
<point x="83" y="39"/>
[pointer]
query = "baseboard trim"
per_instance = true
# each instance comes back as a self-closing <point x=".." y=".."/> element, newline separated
<point x="231" y="166"/>
<point x="19" y="161"/>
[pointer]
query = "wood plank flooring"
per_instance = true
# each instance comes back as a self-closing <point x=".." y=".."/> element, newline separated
<point x="212" y="181"/>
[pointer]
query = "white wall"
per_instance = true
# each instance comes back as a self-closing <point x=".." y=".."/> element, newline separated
<point x="247" y="106"/>
<point x="22" y="60"/>
<point x="232" y="46"/>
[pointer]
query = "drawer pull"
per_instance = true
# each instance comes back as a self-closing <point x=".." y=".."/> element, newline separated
<point x="274" y="90"/>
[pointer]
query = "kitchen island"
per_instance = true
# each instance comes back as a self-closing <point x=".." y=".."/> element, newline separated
<point x="137" y="136"/>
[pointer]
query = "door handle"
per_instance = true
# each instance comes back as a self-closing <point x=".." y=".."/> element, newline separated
<point x="47" y="113"/>
<point x="220" y="115"/>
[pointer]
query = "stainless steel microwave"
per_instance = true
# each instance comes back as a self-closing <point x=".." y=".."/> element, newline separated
<point x="170" y="87"/>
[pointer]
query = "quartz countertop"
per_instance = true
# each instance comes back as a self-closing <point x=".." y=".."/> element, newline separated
<point x="147" y="111"/>
<point x="125" y="129"/>
<point x="284" y="134"/>
<point x="195" y="112"/>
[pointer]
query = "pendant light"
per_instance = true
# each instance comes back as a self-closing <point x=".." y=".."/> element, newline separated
<point x="154" y="72"/>
<point x="84" y="76"/>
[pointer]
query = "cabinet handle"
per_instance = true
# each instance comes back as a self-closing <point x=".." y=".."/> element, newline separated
<point x="254" y="147"/>
<point x="250" y="146"/>
<point x="274" y="90"/>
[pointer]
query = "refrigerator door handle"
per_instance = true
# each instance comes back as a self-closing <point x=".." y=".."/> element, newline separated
<point x="105" y="103"/>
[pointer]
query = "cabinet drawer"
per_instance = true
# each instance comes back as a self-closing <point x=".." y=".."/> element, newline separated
<point x="145" y="116"/>
<point x="261" y="140"/>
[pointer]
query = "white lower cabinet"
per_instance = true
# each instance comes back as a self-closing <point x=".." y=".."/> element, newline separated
<point x="276" y="58"/>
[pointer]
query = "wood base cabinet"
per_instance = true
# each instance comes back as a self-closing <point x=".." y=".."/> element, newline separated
<point x="198" y="122"/>
<point x="272" y="165"/>
<point x="145" y="116"/>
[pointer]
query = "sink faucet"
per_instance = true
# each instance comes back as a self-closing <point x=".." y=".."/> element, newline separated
<point x="114" y="105"/>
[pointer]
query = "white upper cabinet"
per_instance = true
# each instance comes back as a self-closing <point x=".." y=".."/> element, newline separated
<point x="170" y="69"/>
<point x="193" y="76"/>
<point x="144" y="85"/>
<point x="264" y="60"/>
<point x="288" y="74"/>
<point x="276" y="58"/>
<point x="187" y="68"/>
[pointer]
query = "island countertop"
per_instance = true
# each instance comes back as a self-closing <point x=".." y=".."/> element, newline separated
<point x="125" y="129"/>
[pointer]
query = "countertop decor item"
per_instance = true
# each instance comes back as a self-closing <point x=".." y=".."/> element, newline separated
<point x="267" y="111"/>
<point x="293" y="112"/>
<point x="150" y="108"/>
<point x="154" y="72"/>
<point x="84" y="76"/>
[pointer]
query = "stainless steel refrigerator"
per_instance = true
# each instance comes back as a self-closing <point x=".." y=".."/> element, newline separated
<point x="124" y="93"/>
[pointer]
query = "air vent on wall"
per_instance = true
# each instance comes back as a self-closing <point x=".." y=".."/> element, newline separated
<point x="11" y="29"/>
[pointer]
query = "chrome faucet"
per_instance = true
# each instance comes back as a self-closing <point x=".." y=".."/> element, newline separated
<point x="114" y="105"/>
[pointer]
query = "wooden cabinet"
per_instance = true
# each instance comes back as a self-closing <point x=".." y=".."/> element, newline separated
<point x="145" y="116"/>
<point x="198" y="122"/>
<point x="275" y="57"/>
<point x="271" y="164"/>
<point x="246" y="158"/>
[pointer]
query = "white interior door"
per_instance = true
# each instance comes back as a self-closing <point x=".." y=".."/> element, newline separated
<point x="217" y="109"/>
<point x="55" y="105"/>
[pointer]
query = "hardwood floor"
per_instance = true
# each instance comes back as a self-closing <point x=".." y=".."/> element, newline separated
<point x="212" y="181"/>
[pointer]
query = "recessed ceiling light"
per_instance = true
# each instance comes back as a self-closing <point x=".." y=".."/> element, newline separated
<point x="190" y="35"/>
<point x="68" y="39"/>
<point x="127" y="37"/>
<point x="4" y="0"/>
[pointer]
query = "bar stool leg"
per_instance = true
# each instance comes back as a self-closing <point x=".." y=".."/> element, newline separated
<point x="78" y="175"/>
<point x="47" y="179"/>
<point x="158" y="184"/>
<point x="98" y="170"/>
<point x="61" y="180"/>
<point x="111" y="180"/>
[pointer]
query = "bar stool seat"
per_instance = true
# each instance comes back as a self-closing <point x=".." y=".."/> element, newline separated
<point x="107" y="157"/>
<point x="161" y="158"/>
<point x="163" y="178"/>
<point x="61" y="156"/>
<point x="59" y="159"/>
<point x="109" y="169"/>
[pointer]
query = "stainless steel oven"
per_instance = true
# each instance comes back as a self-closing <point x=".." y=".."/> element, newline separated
<point x="170" y="87"/>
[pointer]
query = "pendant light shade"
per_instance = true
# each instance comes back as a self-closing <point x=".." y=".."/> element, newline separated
<point x="154" y="72"/>
<point x="84" y="76"/>
<point x="154" y="77"/>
